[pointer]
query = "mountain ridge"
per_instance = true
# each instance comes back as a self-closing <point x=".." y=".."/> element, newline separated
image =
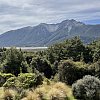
<point x="48" y="34"/>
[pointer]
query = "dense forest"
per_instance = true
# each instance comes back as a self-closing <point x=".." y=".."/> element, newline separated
<point x="69" y="70"/>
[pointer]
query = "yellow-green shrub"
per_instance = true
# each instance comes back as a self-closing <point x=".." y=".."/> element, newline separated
<point x="24" y="81"/>
<point x="4" y="77"/>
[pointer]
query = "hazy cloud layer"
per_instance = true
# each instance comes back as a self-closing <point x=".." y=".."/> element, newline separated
<point x="19" y="13"/>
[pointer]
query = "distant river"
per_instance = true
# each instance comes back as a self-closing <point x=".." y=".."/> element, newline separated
<point x="29" y="48"/>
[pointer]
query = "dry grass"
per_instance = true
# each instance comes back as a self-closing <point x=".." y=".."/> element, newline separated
<point x="8" y="94"/>
<point x="32" y="96"/>
<point x="56" y="94"/>
<point x="53" y="91"/>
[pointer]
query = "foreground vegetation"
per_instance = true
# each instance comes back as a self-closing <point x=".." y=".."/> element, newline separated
<point x="65" y="71"/>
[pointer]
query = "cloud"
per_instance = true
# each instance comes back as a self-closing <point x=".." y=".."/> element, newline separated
<point x="20" y="13"/>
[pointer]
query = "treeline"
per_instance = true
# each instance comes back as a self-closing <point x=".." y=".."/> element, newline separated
<point x="67" y="62"/>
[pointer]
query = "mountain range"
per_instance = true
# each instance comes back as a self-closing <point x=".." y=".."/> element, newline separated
<point x="48" y="34"/>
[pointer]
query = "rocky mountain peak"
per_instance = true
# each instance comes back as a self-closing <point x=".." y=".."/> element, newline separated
<point x="71" y="22"/>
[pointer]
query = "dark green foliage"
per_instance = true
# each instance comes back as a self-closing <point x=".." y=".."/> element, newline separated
<point x="2" y="56"/>
<point x="24" y="67"/>
<point x="87" y="55"/>
<point x="95" y="47"/>
<point x="95" y="44"/>
<point x="28" y="56"/>
<point x="74" y="49"/>
<point x="12" y="61"/>
<point x="54" y="53"/>
<point x="96" y="55"/>
<point x="55" y="67"/>
<point x="69" y="49"/>
<point x="87" y="88"/>
<point x="42" y="65"/>
<point x="94" y="69"/>
<point x="69" y="71"/>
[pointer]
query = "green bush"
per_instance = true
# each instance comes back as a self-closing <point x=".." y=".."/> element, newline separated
<point x="69" y="49"/>
<point x="94" y="69"/>
<point x="24" y="81"/>
<point x="4" y="77"/>
<point x="29" y="80"/>
<point x="70" y="71"/>
<point x="11" y="83"/>
<point x="87" y="88"/>
<point x="42" y="65"/>
<point x="12" y="59"/>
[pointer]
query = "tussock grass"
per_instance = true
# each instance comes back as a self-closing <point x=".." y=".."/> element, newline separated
<point x="47" y="91"/>
<point x="53" y="91"/>
<point x="8" y="94"/>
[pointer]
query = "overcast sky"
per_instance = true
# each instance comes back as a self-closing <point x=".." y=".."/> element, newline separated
<point x="20" y="13"/>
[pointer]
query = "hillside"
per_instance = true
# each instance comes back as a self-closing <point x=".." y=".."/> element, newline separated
<point x="47" y="34"/>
